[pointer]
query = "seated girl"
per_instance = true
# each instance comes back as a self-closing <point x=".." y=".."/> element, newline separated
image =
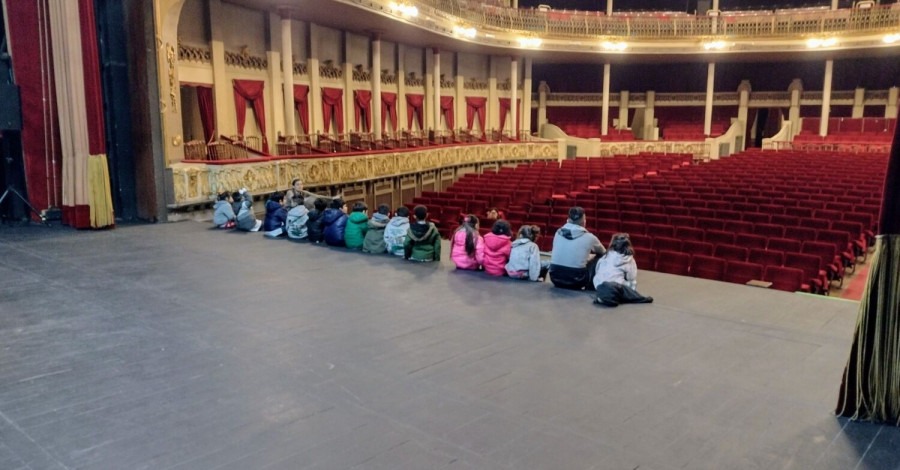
<point x="525" y="256"/>
<point x="223" y="212"/>
<point x="616" y="276"/>
<point x="467" y="245"/>
<point x="497" y="246"/>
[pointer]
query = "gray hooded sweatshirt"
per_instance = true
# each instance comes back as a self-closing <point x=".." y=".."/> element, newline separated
<point x="395" y="234"/>
<point x="524" y="260"/>
<point x="618" y="268"/>
<point x="572" y="246"/>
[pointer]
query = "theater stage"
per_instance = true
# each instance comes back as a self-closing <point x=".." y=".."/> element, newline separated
<point x="176" y="346"/>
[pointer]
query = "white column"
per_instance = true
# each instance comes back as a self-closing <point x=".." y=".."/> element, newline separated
<point x="526" y="96"/>
<point x="287" y="73"/>
<point x="743" y="105"/>
<point x="348" y="88"/>
<point x="609" y="7"/>
<point x="437" y="88"/>
<point x="710" y="90"/>
<point x="493" y="104"/>
<point x="623" y="109"/>
<point x="68" y="68"/>
<point x="543" y="89"/>
<point x="859" y="97"/>
<point x="223" y="89"/>
<point x="795" y="88"/>
<point x="649" y="112"/>
<point x="826" y="97"/>
<point x="401" y="87"/>
<point x="834" y="4"/>
<point x="316" y="123"/>
<point x="513" y="97"/>
<point x="376" y="86"/>
<point x="890" y="111"/>
<point x="604" y="118"/>
<point x="715" y="19"/>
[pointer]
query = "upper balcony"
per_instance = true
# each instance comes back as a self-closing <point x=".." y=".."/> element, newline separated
<point x="559" y="36"/>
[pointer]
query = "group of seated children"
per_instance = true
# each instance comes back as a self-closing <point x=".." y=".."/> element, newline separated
<point x="578" y="260"/>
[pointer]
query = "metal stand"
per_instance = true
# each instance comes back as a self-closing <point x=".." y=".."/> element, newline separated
<point x="10" y="189"/>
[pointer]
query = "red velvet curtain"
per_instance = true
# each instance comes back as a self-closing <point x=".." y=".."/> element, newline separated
<point x="475" y="105"/>
<point x="252" y="91"/>
<point x="301" y="103"/>
<point x="34" y="75"/>
<point x="447" y="110"/>
<point x="414" y="104"/>
<point x="93" y="91"/>
<point x="362" y="105"/>
<point x="389" y="108"/>
<point x="207" y="111"/>
<point x="504" y="110"/>
<point x="333" y="105"/>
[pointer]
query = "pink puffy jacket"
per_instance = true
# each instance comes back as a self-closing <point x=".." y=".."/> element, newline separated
<point x="458" y="251"/>
<point x="496" y="253"/>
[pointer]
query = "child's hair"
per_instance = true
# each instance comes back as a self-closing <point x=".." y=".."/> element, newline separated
<point x="236" y="196"/>
<point x="469" y="223"/>
<point x="294" y="181"/>
<point x="402" y="211"/>
<point x="421" y="212"/>
<point x="360" y="207"/>
<point x="531" y="232"/>
<point x="620" y="243"/>
<point x="277" y="196"/>
<point x="337" y="203"/>
<point x="383" y="209"/>
<point x="501" y="227"/>
<point x="223" y="196"/>
<point x="576" y="215"/>
<point x="493" y="213"/>
<point x="321" y="204"/>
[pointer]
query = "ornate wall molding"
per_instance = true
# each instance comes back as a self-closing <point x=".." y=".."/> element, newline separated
<point x="360" y="74"/>
<point x="388" y="78"/>
<point x="300" y="68"/>
<point x="199" y="54"/>
<point x="447" y="83"/>
<point x="328" y="70"/>
<point x="413" y="80"/>
<point x="244" y="60"/>
<point x="198" y="183"/>
<point x="473" y="83"/>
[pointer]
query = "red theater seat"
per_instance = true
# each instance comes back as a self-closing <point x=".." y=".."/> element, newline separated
<point x="782" y="278"/>
<point x="708" y="267"/>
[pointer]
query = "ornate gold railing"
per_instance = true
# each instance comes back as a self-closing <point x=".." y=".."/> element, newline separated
<point x="569" y="24"/>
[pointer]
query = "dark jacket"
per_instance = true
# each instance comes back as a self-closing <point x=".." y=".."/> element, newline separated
<point x="315" y="227"/>
<point x="423" y="242"/>
<point x="276" y="215"/>
<point x="335" y="222"/>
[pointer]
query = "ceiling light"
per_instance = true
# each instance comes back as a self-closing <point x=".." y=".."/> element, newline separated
<point x="464" y="32"/>
<point x="530" y="42"/>
<point x="817" y="42"/>
<point x="404" y="9"/>
<point x="614" y="46"/>
<point x="714" y="45"/>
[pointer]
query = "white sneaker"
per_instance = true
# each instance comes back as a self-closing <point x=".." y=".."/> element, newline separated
<point x="257" y="226"/>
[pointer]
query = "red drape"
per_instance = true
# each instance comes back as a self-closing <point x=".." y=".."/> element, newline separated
<point x="414" y="104"/>
<point x="362" y="105"/>
<point x="301" y="103"/>
<point x="504" y="110"/>
<point x="389" y="108"/>
<point x="207" y="111"/>
<point x="93" y="92"/>
<point x="475" y="105"/>
<point x="333" y="105"/>
<point x="252" y="91"/>
<point x="447" y="110"/>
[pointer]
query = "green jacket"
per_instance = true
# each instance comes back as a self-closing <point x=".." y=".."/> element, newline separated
<point x="355" y="231"/>
<point x="423" y="242"/>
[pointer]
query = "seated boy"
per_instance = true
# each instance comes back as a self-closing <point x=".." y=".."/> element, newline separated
<point x="396" y="230"/>
<point x="374" y="242"/>
<point x="423" y="241"/>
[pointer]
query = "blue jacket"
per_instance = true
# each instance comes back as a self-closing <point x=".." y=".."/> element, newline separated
<point x="276" y="215"/>
<point x="335" y="222"/>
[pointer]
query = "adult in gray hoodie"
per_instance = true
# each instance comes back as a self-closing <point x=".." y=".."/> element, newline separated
<point x="374" y="241"/>
<point x="395" y="231"/>
<point x="615" y="279"/>
<point x="571" y="266"/>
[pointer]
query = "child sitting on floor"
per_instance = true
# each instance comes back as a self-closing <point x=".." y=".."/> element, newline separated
<point x="223" y="213"/>
<point x="246" y="219"/>
<point x="497" y="246"/>
<point x="616" y="277"/>
<point x="374" y="242"/>
<point x="314" y="223"/>
<point x="467" y="245"/>
<point x="525" y="256"/>
<point x="357" y="225"/>
<point x="276" y="216"/>
<point x="423" y="241"/>
<point x="334" y="222"/>
<point x="297" y="218"/>
<point x="395" y="232"/>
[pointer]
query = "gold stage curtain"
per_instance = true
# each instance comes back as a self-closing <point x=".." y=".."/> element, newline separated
<point x="99" y="194"/>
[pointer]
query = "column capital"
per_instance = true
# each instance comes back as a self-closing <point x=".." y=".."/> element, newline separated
<point x="744" y="86"/>
<point x="796" y="85"/>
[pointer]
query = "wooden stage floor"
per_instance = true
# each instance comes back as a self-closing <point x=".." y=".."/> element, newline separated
<point x="174" y="346"/>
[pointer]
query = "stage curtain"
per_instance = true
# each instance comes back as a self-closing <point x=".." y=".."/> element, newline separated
<point x="93" y="91"/>
<point x="389" y="108"/>
<point x="504" y="110"/>
<point x="475" y="107"/>
<point x="414" y="104"/>
<point x="99" y="193"/>
<point x="207" y="111"/>
<point x="447" y="111"/>
<point x="301" y="103"/>
<point x="362" y="106"/>
<point x="333" y="105"/>
<point x="252" y="91"/>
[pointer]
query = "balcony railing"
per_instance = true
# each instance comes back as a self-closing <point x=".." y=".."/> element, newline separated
<point x="581" y="24"/>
